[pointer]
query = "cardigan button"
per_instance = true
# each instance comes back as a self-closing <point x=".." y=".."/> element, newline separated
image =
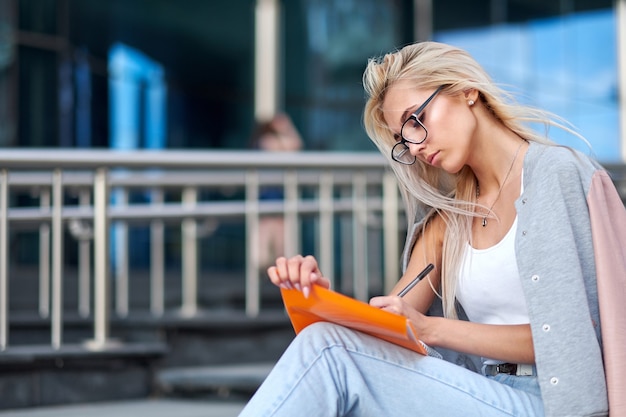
<point x="524" y="201"/>
<point x="524" y="233"/>
<point x="554" y="380"/>
<point x="545" y="327"/>
<point x="535" y="278"/>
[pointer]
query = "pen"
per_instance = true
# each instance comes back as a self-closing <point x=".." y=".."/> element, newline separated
<point x="417" y="279"/>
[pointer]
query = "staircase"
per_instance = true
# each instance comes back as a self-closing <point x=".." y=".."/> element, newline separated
<point x="206" y="364"/>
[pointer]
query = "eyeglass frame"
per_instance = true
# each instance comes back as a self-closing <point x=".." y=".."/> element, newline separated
<point x="414" y="116"/>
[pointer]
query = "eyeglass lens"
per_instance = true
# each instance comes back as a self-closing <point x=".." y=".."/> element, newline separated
<point x="402" y="154"/>
<point x="413" y="130"/>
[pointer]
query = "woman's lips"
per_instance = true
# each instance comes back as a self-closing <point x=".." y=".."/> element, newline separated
<point x="431" y="158"/>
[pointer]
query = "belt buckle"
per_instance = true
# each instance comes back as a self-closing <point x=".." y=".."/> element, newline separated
<point x="506" y="368"/>
<point x="509" y="369"/>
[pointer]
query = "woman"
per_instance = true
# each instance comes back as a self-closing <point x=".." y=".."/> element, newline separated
<point x="527" y="237"/>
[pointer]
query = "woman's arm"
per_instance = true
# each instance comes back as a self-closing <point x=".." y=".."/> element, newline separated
<point x="507" y="343"/>
<point x="427" y="249"/>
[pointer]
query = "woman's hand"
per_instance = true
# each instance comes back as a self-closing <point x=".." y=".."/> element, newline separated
<point x="399" y="305"/>
<point x="299" y="272"/>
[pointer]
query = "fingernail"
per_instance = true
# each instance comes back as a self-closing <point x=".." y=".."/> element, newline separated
<point x="283" y="286"/>
<point x="298" y="287"/>
<point x="306" y="291"/>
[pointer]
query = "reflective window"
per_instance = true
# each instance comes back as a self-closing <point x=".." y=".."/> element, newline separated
<point x="55" y="85"/>
<point x="566" y="64"/>
<point x="323" y="90"/>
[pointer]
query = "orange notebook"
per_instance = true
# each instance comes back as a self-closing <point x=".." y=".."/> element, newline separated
<point x="331" y="306"/>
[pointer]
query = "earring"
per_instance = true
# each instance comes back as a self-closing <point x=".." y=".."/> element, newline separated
<point x="471" y="102"/>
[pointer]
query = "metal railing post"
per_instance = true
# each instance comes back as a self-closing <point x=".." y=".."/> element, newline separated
<point x="292" y="227"/>
<point x="44" y="257"/>
<point x="253" y="297"/>
<point x="391" y="244"/>
<point x="190" y="255"/>
<point x="326" y="250"/>
<point x="57" y="259"/>
<point x="101" y="259"/>
<point x="359" y="241"/>
<point x="84" y="263"/>
<point x="346" y="224"/>
<point x="120" y="242"/>
<point x="157" y="258"/>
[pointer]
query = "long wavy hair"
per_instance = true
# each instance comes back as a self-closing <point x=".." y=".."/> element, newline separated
<point x="428" y="65"/>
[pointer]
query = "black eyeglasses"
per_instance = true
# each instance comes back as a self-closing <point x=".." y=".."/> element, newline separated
<point x="412" y="131"/>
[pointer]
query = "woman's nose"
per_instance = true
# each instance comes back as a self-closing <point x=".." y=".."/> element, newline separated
<point x="415" y="148"/>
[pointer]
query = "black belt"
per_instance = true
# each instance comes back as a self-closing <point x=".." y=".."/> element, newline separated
<point x="510" y="369"/>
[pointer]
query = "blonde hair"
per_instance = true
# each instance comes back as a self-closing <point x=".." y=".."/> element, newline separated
<point x="428" y="65"/>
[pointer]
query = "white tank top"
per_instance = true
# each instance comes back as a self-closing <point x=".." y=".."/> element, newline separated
<point x="489" y="286"/>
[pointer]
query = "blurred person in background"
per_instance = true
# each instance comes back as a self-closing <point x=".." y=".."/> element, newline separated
<point x="275" y="135"/>
<point x="528" y="239"/>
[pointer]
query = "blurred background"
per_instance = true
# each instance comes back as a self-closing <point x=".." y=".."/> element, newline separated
<point x="146" y="118"/>
<point x="64" y="65"/>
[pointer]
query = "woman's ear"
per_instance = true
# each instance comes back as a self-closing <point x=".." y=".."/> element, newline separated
<point x="471" y="96"/>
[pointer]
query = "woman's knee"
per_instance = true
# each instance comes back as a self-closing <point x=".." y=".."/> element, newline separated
<point x="322" y="335"/>
<point x="322" y="329"/>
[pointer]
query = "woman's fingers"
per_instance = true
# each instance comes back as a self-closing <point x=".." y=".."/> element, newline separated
<point x="391" y="303"/>
<point x="309" y="271"/>
<point x="299" y="272"/>
<point x="294" y="266"/>
<point x="272" y="273"/>
<point x="279" y="274"/>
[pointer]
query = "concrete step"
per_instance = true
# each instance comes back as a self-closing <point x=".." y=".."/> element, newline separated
<point x="240" y="380"/>
<point x="40" y="376"/>
<point x="37" y="355"/>
<point x="134" y="408"/>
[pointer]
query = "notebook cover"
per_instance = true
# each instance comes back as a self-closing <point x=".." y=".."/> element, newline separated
<point x="331" y="306"/>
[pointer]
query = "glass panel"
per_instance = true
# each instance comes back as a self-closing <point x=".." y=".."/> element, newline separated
<point x="565" y="64"/>
<point x="38" y="124"/>
<point x="206" y="49"/>
<point x="324" y="67"/>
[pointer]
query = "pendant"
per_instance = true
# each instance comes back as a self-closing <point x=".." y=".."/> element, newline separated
<point x="484" y="221"/>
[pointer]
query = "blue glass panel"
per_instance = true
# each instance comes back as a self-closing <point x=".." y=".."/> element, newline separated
<point x="566" y="65"/>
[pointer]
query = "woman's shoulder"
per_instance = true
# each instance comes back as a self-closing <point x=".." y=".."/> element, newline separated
<point x="545" y="159"/>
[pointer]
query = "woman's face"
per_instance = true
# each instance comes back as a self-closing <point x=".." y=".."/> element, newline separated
<point x="448" y="119"/>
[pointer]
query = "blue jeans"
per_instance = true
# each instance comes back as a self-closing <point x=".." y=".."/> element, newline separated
<point x="329" y="370"/>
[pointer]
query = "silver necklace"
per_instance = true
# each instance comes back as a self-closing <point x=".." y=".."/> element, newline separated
<point x="484" y="222"/>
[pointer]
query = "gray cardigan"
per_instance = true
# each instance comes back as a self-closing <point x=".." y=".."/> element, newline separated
<point x="555" y="258"/>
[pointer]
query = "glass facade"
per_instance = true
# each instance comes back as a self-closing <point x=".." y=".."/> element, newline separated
<point x="323" y="88"/>
<point x="566" y="64"/>
<point x="56" y="79"/>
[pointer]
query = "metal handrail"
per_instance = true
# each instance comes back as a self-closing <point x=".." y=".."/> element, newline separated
<point x="35" y="159"/>
<point x="355" y="184"/>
